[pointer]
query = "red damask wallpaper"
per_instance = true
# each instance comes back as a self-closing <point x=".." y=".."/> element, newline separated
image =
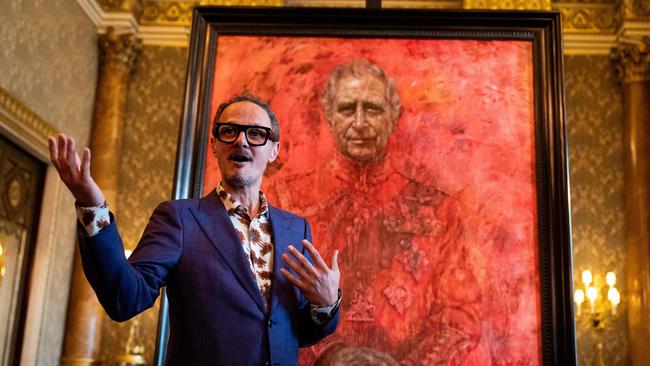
<point x="427" y="190"/>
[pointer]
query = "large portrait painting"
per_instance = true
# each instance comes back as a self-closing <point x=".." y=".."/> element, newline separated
<point x="425" y="159"/>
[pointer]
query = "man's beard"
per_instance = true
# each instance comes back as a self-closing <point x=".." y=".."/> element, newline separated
<point x="238" y="181"/>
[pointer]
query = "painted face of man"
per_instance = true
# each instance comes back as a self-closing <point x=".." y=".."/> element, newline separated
<point x="360" y="118"/>
<point x="242" y="164"/>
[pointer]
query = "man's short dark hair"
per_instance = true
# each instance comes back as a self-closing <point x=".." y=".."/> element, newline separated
<point x="247" y="97"/>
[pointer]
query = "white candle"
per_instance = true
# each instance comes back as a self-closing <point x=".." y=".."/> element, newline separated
<point x="592" y="293"/>
<point x="614" y="297"/>
<point x="579" y="298"/>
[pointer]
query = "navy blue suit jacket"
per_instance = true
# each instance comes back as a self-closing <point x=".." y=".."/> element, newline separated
<point x="216" y="312"/>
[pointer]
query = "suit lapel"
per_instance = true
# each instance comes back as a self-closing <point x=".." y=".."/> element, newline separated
<point x="284" y="234"/>
<point x="215" y="222"/>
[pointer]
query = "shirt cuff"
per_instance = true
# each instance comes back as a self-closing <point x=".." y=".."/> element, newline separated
<point x="321" y="315"/>
<point x="94" y="218"/>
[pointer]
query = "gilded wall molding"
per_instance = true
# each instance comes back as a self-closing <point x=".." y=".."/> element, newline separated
<point x="179" y="13"/>
<point x="20" y="122"/>
<point x="589" y="44"/>
<point x="422" y="4"/>
<point x="632" y="61"/>
<point x="131" y="6"/>
<point x="326" y="3"/>
<point x="123" y="21"/>
<point x="589" y="27"/>
<point x="596" y="18"/>
<point x="388" y="4"/>
<point x="508" y="4"/>
<point x="176" y="13"/>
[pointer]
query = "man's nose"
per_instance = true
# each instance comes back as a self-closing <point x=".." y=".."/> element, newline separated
<point x="241" y="139"/>
<point x="359" y="117"/>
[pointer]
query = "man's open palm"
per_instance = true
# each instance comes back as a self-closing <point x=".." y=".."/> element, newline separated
<point x="75" y="172"/>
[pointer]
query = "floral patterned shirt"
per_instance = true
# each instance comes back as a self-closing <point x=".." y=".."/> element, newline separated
<point x="255" y="236"/>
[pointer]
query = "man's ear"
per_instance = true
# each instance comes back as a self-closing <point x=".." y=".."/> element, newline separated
<point x="213" y="146"/>
<point x="274" y="152"/>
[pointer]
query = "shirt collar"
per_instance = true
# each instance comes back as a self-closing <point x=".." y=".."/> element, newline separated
<point x="233" y="205"/>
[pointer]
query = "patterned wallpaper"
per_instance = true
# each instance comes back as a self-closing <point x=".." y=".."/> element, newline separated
<point x="48" y="60"/>
<point x="153" y="111"/>
<point x="595" y="121"/>
<point x="52" y="72"/>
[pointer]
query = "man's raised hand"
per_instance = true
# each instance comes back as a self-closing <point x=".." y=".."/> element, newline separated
<point x="75" y="172"/>
<point x="318" y="282"/>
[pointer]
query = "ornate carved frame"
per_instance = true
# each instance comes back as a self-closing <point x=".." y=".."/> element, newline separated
<point x="543" y="29"/>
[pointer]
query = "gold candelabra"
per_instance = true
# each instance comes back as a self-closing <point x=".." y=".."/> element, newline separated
<point x="602" y="302"/>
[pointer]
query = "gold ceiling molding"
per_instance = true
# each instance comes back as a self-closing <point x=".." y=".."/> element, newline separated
<point x="508" y="4"/>
<point x="632" y="61"/>
<point x="387" y="4"/>
<point x="421" y="4"/>
<point x="123" y="21"/>
<point x="24" y="126"/>
<point x="326" y="3"/>
<point x="599" y="18"/>
<point x="589" y="26"/>
<point x="179" y="13"/>
<point x="132" y="6"/>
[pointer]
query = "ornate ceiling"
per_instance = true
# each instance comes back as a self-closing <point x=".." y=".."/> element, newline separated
<point x="590" y="26"/>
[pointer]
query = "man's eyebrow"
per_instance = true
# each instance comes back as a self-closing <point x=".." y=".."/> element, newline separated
<point x="345" y="104"/>
<point x="373" y="105"/>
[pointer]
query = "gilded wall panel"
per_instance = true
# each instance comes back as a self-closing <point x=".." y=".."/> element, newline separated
<point x="595" y="123"/>
<point x="153" y="111"/>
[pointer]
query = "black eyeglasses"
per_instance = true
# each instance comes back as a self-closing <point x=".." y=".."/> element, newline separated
<point x="229" y="132"/>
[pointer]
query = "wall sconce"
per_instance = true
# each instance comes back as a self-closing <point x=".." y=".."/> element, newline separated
<point x="599" y="305"/>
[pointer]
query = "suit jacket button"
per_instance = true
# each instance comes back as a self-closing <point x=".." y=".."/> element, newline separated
<point x="269" y="323"/>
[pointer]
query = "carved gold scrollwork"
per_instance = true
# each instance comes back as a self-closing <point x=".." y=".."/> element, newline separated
<point x="589" y="19"/>
<point x="632" y="61"/>
<point x="119" y="50"/>
<point x="167" y="13"/>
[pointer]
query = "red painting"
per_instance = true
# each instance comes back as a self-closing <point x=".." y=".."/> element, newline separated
<point x="415" y="159"/>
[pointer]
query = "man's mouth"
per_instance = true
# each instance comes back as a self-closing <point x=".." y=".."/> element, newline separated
<point x="360" y="140"/>
<point x="240" y="157"/>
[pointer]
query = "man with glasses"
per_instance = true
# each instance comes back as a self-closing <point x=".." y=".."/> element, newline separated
<point x="245" y="284"/>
